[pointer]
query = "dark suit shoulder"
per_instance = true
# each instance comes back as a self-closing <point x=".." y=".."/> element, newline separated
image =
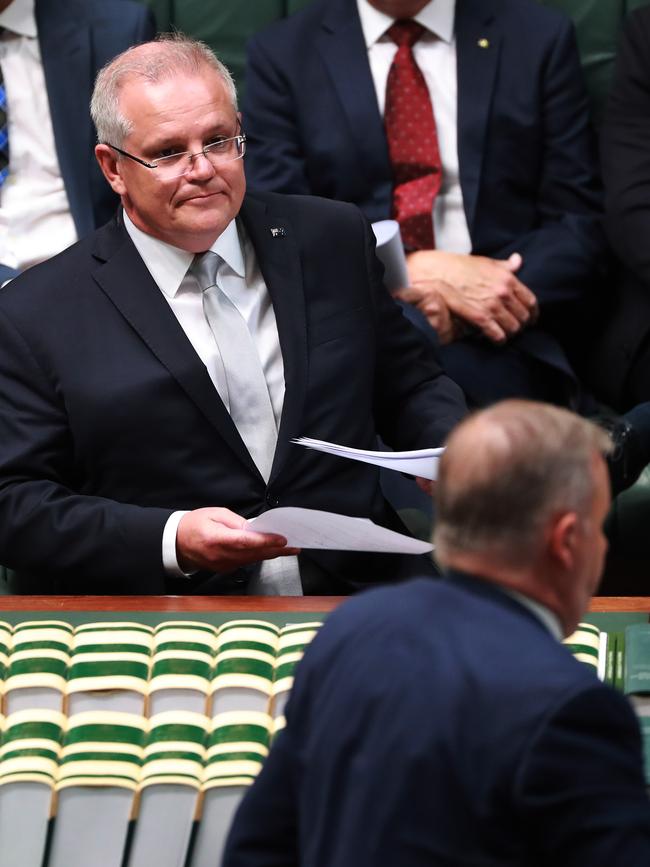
<point x="123" y="11"/>
<point x="58" y="279"/>
<point x="530" y="15"/>
<point x="302" y="21"/>
<point x="425" y="617"/>
<point x="302" y="204"/>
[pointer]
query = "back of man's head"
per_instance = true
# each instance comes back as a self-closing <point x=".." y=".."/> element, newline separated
<point x="506" y="472"/>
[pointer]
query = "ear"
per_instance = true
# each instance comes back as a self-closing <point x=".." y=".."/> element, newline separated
<point x="563" y="540"/>
<point x="110" y="166"/>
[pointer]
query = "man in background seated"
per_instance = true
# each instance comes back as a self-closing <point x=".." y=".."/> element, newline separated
<point x="443" y="722"/>
<point x="468" y="122"/>
<point x="151" y="410"/>
<point x="622" y="354"/>
<point x="51" y="189"/>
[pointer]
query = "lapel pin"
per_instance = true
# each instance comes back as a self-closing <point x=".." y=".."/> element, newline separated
<point x="483" y="43"/>
<point x="278" y="232"/>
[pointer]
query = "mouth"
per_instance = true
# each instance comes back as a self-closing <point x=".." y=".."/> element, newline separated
<point x="201" y="196"/>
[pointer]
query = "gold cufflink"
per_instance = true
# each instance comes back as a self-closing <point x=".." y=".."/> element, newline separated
<point x="483" y="43"/>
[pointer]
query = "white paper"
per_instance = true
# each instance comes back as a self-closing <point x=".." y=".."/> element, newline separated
<point x="312" y="528"/>
<point x="390" y="252"/>
<point x="419" y="462"/>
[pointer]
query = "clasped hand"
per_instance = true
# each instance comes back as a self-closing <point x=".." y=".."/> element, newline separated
<point x="458" y="292"/>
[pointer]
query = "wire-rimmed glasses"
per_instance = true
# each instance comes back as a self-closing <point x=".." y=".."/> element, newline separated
<point x="218" y="152"/>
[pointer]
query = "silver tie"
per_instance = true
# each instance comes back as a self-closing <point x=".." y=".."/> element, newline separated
<point x="246" y="394"/>
<point x="243" y="389"/>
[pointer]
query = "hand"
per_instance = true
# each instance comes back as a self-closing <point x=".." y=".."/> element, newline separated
<point x="434" y="306"/>
<point x="480" y="291"/>
<point x="215" y="539"/>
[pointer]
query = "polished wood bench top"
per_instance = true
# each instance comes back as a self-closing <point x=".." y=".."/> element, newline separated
<point x="242" y="604"/>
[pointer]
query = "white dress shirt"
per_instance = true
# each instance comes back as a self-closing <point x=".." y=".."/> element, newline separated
<point x="35" y="219"/>
<point x="241" y="279"/>
<point x="435" y="54"/>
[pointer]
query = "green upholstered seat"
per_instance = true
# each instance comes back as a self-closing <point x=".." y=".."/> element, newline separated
<point x="597" y="26"/>
<point x="225" y="26"/>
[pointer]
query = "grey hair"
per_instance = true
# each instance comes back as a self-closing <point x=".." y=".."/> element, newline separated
<point x="168" y="54"/>
<point x="506" y="471"/>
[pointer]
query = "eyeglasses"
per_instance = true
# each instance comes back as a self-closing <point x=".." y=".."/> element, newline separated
<point x="223" y="150"/>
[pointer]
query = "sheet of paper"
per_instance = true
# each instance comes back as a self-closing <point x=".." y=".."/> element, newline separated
<point x="312" y="528"/>
<point x="420" y="462"/>
<point x="390" y="252"/>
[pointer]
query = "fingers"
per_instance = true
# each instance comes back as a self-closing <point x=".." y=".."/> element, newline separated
<point x="422" y="290"/>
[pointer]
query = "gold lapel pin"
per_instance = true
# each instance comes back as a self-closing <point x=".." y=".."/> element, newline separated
<point x="483" y="43"/>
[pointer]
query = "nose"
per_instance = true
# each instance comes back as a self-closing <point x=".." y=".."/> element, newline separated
<point x="201" y="167"/>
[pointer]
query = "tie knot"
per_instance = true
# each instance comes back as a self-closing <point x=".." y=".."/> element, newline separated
<point x="205" y="267"/>
<point x="405" y="32"/>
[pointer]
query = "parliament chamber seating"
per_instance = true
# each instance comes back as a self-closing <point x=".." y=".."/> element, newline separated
<point x="131" y="727"/>
<point x="138" y="733"/>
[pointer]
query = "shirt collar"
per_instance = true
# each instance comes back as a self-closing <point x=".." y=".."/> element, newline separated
<point x="228" y="246"/>
<point x="168" y="265"/>
<point x="437" y="16"/>
<point x="541" y="612"/>
<point x="19" y="17"/>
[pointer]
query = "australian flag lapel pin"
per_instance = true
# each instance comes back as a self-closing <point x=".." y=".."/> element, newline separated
<point x="278" y="232"/>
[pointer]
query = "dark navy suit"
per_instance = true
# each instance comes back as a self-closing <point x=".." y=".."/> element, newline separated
<point x="440" y="723"/>
<point x="526" y="160"/>
<point x="76" y="38"/>
<point x="109" y="420"/>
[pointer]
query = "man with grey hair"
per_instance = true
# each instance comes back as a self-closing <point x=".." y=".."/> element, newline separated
<point x="151" y="412"/>
<point x="442" y="722"/>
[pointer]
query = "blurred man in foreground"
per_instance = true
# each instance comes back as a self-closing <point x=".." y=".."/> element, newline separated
<point x="443" y="722"/>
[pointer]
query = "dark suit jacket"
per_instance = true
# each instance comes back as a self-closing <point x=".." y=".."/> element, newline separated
<point x="109" y="421"/>
<point x="76" y="38"/>
<point x="527" y="165"/>
<point x="439" y="723"/>
<point x="625" y="156"/>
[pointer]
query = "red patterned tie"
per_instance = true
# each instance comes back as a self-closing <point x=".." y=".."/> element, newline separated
<point x="412" y="140"/>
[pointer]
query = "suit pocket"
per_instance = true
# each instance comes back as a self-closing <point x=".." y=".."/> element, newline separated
<point x="340" y="324"/>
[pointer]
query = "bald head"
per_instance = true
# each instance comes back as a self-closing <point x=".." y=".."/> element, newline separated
<point x="506" y="472"/>
<point x="169" y="55"/>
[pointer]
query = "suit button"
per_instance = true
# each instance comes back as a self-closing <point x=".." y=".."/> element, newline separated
<point x="272" y="501"/>
<point x="239" y="581"/>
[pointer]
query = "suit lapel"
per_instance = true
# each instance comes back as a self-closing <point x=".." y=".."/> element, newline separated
<point x="124" y="278"/>
<point x="343" y="50"/>
<point x="279" y="260"/>
<point x="66" y="56"/>
<point x="477" y="58"/>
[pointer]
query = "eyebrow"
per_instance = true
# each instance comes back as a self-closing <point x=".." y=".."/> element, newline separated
<point x="173" y="141"/>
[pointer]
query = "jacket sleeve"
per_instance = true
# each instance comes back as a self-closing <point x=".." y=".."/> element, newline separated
<point x="44" y="515"/>
<point x="565" y="253"/>
<point x="625" y="149"/>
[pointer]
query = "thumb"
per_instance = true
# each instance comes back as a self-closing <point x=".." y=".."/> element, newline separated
<point x="513" y="262"/>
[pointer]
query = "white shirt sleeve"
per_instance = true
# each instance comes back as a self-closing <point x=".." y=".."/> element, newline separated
<point x="170" y="562"/>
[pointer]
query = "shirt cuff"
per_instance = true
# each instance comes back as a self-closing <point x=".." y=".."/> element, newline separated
<point x="170" y="562"/>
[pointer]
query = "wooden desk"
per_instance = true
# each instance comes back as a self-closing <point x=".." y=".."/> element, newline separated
<point x="241" y="604"/>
